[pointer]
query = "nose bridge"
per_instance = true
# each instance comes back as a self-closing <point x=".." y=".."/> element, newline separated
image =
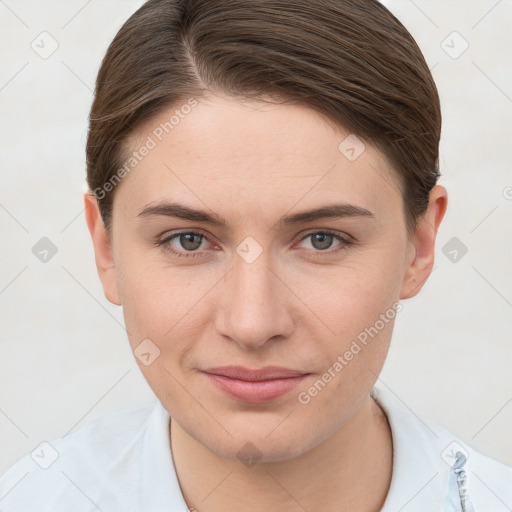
<point x="254" y="302"/>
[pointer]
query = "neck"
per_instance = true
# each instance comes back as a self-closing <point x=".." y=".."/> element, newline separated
<point x="350" y="471"/>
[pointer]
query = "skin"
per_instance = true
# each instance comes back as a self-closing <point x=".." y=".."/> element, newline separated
<point x="297" y="305"/>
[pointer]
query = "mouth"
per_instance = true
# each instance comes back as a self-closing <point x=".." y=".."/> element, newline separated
<point x="256" y="386"/>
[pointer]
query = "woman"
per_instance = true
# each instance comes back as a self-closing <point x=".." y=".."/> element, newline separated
<point x="263" y="194"/>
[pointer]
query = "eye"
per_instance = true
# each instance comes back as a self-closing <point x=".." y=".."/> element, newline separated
<point x="184" y="244"/>
<point x="323" y="240"/>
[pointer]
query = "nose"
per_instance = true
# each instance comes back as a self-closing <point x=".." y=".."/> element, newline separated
<point x="256" y="305"/>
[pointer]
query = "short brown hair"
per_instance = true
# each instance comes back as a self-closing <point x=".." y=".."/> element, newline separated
<point x="351" y="60"/>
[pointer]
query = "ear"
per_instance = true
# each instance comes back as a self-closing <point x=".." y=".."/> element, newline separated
<point x="102" y="249"/>
<point x="421" y="260"/>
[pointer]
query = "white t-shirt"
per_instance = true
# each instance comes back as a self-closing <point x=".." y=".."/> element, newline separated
<point x="122" y="462"/>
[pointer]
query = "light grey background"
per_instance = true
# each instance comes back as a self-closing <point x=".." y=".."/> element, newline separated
<point x="65" y="357"/>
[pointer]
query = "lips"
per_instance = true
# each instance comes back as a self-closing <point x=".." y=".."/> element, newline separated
<point x="255" y="386"/>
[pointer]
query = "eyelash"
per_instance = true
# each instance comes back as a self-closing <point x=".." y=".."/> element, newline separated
<point x="346" y="242"/>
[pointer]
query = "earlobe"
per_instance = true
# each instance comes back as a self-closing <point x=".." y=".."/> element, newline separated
<point x="421" y="259"/>
<point x="102" y="249"/>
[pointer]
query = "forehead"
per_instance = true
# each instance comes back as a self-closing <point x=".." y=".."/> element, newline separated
<point x="241" y="155"/>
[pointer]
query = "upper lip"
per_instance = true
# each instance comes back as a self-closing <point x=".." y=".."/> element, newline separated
<point x="259" y="374"/>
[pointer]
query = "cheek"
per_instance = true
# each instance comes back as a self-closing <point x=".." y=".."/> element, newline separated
<point x="154" y="295"/>
<point x="158" y="305"/>
<point x="169" y="307"/>
<point x="361" y="311"/>
<point x="351" y="297"/>
<point x="359" y="303"/>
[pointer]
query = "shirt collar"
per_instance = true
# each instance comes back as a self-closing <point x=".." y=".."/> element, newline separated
<point x="158" y="474"/>
<point x="420" y="479"/>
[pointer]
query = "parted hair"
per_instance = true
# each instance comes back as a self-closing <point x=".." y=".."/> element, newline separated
<point x="350" y="60"/>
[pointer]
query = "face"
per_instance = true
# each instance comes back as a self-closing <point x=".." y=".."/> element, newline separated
<point x="253" y="281"/>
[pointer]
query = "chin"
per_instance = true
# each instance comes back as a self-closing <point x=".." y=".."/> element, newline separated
<point x="253" y="443"/>
<point x="256" y="451"/>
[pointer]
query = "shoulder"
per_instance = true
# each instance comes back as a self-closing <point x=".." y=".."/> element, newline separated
<point x="93" y="465"/>
<point x="430" y="455"/>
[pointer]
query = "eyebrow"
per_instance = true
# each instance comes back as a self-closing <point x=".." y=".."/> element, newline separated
<point x="174" y="209"/>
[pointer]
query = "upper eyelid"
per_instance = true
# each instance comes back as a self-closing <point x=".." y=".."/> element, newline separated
<point x="169" y="234"/>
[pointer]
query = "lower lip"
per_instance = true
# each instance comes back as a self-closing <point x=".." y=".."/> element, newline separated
<point x="255" y="392"/>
